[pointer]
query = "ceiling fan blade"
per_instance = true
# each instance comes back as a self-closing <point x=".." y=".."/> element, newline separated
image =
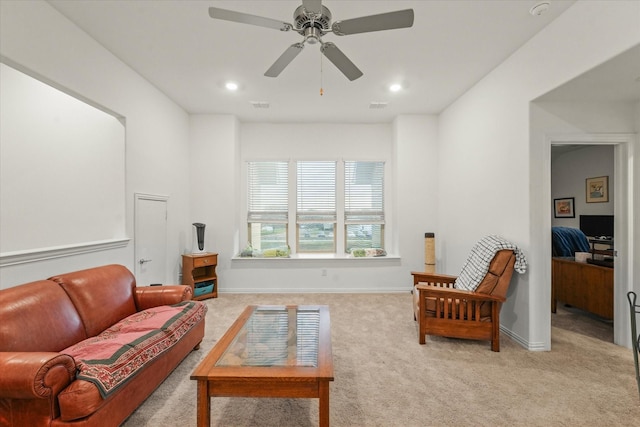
<point x="284" y="60"/>
<point x="366" y="24"/>
<point x="245" y="18"/>
<point x="312" y="6"/>
<point x="341" y="61"/>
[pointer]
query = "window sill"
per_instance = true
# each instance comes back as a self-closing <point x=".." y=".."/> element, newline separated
<point x="302" y="260"/>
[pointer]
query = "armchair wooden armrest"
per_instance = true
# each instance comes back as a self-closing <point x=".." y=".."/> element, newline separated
<point x="461" y="294"/>
<point x="445" y="280"/>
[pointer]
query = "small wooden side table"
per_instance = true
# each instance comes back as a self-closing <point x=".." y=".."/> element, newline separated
<point x="199" y="272"/>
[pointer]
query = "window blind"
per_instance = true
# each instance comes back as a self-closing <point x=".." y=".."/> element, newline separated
<point x="316" y="191"/>
<point x="268" y="192"/>
<point x="364" y="192"/>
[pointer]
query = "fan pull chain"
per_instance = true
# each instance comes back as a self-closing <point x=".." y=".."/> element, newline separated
<point x="321" y="89"/>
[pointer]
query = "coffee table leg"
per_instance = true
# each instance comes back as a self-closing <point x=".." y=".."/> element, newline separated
<point x="204" y="405"/>
<point x="323" y="407"/>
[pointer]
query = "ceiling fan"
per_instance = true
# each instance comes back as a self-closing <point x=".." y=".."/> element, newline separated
<point x="312" y="20"/>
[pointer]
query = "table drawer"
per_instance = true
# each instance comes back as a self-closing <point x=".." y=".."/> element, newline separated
<point x="205" y="261"/>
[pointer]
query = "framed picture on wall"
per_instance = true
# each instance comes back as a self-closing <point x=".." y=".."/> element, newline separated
<point x="598" y="189"/>
<point x="564" y="208"/>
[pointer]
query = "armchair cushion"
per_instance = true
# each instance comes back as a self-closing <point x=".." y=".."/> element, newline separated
<point x="477" y="265"/>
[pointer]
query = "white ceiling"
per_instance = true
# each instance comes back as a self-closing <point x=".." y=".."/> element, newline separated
<point x="189" y="56"/>
<point x="616" y="80"/>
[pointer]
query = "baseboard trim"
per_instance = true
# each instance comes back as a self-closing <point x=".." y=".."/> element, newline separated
<point x="532" y="346"/>
<point x="316" y="291"/>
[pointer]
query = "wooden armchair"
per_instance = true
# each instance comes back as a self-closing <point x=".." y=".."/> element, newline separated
<point x="442" y="310"/>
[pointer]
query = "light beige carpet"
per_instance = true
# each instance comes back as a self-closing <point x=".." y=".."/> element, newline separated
<point x="383" y="377"/>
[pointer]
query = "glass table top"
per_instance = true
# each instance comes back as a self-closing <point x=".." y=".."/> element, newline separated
<point x="276" y="336"/>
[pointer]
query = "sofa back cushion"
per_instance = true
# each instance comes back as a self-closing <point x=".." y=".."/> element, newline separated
<point x="102" y="295"/>
<point x="38" y="316"/>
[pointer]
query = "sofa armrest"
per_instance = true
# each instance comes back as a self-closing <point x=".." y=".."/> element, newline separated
<point x="35" y="375"/>
<point x="433" y="278"/>
<point x="154" y="296"/>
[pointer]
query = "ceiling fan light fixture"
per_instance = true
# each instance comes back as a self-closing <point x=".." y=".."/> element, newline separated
<point x="312" y="35"/>
<point x="312" y="20"/>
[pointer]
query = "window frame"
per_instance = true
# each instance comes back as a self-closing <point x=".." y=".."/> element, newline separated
<point x="256" y="212"/>
<point x="308" y="211"/>
<point x="362" y="209"/>
<point x="340" y="233"/>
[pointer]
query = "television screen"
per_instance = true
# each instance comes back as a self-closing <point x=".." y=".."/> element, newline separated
<point x="597" y="225"/>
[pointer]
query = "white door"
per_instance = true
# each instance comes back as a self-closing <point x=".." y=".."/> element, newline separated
<point x="150" y="244"/>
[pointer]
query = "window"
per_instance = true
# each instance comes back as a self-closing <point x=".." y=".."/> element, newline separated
<point x="268" y="204"/>
<point x="337" y="206"/>
<point x="316" y="206"/>
<point x="363" y="204"/>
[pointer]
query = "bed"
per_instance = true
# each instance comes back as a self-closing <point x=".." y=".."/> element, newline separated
<point x="588" y="287"/>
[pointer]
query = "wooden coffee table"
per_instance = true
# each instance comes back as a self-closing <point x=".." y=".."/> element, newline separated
<point x="270" y="351"/>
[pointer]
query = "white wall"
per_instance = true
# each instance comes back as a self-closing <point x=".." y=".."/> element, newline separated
<point x="214" y="191"/>
<point x="38" y="38"/>
<point x="220" y="146"/>
<point x="51" y="207"/>
<point x="486" y="144"/>
<point x="551" y="121"/>
<point x="569" y="172"/>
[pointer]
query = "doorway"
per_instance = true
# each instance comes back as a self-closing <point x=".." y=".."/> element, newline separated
<point x="585" y="292"/>
<point x="150" y="245"/>
<point x="623" y="215"/>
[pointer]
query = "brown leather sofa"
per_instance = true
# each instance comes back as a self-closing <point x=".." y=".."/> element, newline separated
<point x="39" y="384"/>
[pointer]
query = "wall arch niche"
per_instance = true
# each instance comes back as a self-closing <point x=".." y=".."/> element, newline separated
<point x="62" y="171"/>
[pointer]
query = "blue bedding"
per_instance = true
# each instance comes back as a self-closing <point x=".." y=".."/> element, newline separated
<point x="566" y="241"/>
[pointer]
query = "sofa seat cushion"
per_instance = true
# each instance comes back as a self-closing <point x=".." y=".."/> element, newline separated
<point x="107" y="361"/>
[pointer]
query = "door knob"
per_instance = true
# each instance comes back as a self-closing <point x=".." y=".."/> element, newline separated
<point x="142" y="261"/>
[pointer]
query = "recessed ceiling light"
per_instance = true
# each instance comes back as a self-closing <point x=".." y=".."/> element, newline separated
<point x="231" y="86"/>
<point x="540" y="8"/>
<point x="395" y="87"/>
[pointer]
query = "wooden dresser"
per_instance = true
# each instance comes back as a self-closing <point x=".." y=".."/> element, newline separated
<point x="585" y="286"/>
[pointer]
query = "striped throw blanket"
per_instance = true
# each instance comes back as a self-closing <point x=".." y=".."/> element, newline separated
<point x="477" y="264"/>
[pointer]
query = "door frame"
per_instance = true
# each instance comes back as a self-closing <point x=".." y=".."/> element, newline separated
<point x="136" y="248"/>
<point x="623" y="216"/>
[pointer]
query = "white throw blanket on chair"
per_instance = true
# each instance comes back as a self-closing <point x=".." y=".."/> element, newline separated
<point x="477" y="265"/>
